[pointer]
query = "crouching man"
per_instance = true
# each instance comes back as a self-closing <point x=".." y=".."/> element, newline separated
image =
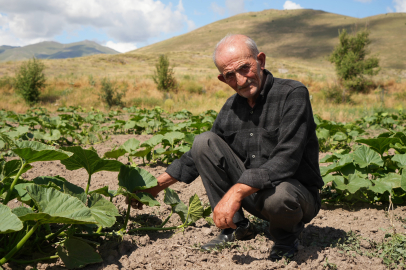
<point x="261" y="154"/>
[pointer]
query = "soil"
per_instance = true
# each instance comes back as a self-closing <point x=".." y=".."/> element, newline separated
<point x="180" y="249"/>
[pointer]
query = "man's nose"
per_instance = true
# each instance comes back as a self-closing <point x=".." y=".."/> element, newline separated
<point x="241" y="79"/>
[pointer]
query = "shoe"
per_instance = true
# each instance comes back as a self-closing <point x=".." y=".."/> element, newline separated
<point x="280" y="251"/>
<point x="245" y="230"/>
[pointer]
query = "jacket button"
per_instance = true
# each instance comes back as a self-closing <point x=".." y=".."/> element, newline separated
<point x="253" y="156"/>
<point x="251" y="112"/>
<point x="251" y="134"/>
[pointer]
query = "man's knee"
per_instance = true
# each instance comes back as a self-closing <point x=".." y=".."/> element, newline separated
<point x="202" y="142"/>
<point x="280" y="204"/>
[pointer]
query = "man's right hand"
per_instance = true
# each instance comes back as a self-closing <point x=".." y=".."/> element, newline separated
<point x="164" y="181"/>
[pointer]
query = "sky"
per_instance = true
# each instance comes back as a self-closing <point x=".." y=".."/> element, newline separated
<point x="126" y="25"/>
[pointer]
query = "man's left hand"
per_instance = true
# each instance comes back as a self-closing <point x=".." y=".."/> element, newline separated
<point x="229" y="205"/>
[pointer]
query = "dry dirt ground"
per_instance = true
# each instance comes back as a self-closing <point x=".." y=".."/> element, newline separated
<point x="179" y="249"/>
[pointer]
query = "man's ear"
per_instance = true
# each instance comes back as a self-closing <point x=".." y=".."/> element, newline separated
<point x="261" y="58"/>
<point x="221" y="78"/>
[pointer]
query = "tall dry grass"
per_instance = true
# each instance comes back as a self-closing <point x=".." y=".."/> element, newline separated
<point x="73" y="82"/>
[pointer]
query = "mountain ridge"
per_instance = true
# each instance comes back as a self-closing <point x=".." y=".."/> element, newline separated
<point x="53" y="50"/>
<point x="302" y="34"/>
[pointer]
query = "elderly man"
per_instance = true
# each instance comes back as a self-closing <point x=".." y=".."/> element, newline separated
<point x="261" y="154"/>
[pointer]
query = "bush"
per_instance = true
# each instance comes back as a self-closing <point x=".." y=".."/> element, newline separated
<point x="193" y="87"/>
<point x="164" y="75"/>
<point x="336" y="94"/>
<point x="30" y="79"/>
<point x="110" y="93"/>
<point x="349" y="57"/>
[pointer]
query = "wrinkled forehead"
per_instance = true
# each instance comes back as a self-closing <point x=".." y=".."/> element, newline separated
<point x="232" y="52"/>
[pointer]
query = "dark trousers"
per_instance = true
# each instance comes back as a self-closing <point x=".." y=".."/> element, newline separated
<point x="287" y="207"/>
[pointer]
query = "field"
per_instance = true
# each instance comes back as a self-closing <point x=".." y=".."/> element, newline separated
<point x="357" y="227"/>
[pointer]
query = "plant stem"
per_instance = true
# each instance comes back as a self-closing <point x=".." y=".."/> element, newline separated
<point x="99" y="229"/>
<point x="51" y="236"/>
<point x="36" y="260"/>
<point x="14" y="182"/>
<point x="127" y="216"/>
<point x="166" y="220"/>
<point x="157" y="228"/>
<point x="19" y="245"/>
<point x="88" y="183"/>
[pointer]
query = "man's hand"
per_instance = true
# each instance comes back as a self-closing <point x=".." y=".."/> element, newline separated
<point x="230" y="203"/>
<point x="164" y="181"/>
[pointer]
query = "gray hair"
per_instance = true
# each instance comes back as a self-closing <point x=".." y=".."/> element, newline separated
<point x="229" y="38"/>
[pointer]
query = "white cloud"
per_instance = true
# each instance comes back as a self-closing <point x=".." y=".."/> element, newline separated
<point x="124" y="21"/>
<point x="235" y="6"/>
<point x="400" y="5"/>
<point x="291" y="5"/>
<point x="217" y="9"/>
<point x="389" y="10"/>
<point x="121" y="46"/>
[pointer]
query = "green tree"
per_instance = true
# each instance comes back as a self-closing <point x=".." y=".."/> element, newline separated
<point x="164" y="75"/>
<point x="351" y="62"/>
<point x="110" y="93"/>
<point x="30" y="79"/>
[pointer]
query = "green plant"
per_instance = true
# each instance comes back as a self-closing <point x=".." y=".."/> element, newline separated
<point x="164" y="75"/>
<point x="336" y="94"/>
<point x="110" y="93"/>
<point x="30" y="79"/>
<point x="351" y="62"/>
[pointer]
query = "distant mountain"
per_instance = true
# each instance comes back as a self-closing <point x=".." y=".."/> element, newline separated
<point x="301" y="34"/>
<point x="53" y="50"/>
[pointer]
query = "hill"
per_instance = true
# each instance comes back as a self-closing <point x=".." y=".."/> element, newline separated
<point x="53" y="50"/>
<point x="302" y="34"/>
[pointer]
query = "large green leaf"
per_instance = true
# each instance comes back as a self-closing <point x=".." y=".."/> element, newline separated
<point x="389" y="182"/>
<point x="403" y="181"/>
<point x="195" y="208"/>
<point x="171" y="198"/>
<point x="364" y="157"/>
<point x="22" y="211"/>
<point x="354" y="184"/>
<point x="23" y="195"/>
<point x="76" y="253"/>
<point x="57" y="207"/>
<point x="9" y="222"/>
<point x="144" y="197"/>
<point x="130" y="145"/>
<point x="115" y="153"/>
<point x="11" y="168"/>
<point x="63" y="185"/>
<point x="32" y="151"/>
<point x="340" y="136"/>
<point x="151" y="143"/>
<point x="380" y="145"/>
<point x="400" y="160"/>
<point x="171" y="137"/>
<point x="103" y="211"/>
<point x="90" y="160"/>
<point x="134" y="178"/>
<point x="105" y="191"/>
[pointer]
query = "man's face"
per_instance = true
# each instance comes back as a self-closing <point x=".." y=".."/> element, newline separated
<point x="240" y="70"/>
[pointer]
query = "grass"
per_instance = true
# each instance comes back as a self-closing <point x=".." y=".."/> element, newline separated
<point x="73" y="82"/>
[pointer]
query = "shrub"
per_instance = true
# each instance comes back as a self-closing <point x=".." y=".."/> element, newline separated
<point x="336" y="94"/>
<point x="30" y="79"/>
<point x="164" y="75"/>
<point x="110" y="93"/>
<point x="349" y="57"/>
<point x="193" y="87"/>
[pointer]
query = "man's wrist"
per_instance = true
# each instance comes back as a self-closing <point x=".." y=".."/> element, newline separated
<point x="239" y="191"/>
